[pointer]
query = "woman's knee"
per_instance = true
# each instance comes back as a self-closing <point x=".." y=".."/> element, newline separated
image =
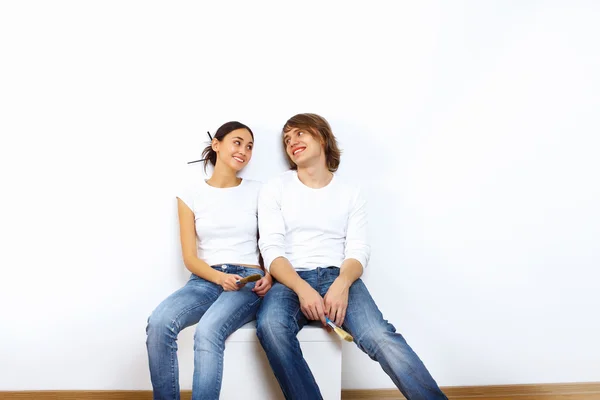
<point x="160" y="323"/>
<point x="209" y="337"/>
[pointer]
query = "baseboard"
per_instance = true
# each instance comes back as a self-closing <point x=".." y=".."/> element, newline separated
<point x="550" y="391"/>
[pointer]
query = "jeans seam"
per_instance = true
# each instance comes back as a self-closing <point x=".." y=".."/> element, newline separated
<point x="219" y="379"/>
<point x="296" y="320"/>
<point x="221" y="332"/>
<point x="235" y="316"/>
<point x="173" y="352"/>
<point x="188" y="309"/>
<point x="319" y="270"/>
<point x="224" y="328"/>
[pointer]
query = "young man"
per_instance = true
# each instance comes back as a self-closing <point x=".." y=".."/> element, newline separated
<point x="313" y="240"/>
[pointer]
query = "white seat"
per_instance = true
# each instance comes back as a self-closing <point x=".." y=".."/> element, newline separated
<point x="313" y="332"/>
<point x="246" y="371"/>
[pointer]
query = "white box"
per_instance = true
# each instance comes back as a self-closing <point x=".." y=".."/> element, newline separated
<point x="246" y="371"/>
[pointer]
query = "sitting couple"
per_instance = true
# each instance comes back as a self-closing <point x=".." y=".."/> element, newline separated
<point x="312" y="229"/>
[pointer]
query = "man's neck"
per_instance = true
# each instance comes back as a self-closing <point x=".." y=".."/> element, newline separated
<point x="315" y="177"/>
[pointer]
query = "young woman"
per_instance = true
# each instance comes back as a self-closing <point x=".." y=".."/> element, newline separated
<point x="218" y="231"/>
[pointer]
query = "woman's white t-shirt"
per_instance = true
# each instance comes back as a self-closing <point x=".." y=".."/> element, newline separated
<point x="226" y="222"/>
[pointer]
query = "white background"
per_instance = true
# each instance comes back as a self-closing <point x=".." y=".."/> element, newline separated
<point x="472" y="126"/>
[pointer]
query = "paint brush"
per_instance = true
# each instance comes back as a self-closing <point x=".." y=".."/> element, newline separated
<point x="251" y="278"/>
<point x="341" y="333"/>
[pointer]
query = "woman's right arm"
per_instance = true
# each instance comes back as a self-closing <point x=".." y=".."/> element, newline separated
<point x="187" y="234"/>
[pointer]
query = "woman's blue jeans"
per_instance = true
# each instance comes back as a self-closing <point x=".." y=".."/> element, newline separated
<point x="218" y="314"/>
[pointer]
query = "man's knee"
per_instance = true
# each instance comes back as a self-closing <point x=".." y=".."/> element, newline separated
<point x="378" y="339"/>
<point x="273" y="326"/>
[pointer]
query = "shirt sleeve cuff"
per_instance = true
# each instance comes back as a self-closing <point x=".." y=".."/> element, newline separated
<point x="269" y="257"/>
<point x="363" y="259"/>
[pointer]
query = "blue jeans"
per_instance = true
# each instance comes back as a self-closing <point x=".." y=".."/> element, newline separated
<point x="220" y="313"/>
<point x="279" y="319"/>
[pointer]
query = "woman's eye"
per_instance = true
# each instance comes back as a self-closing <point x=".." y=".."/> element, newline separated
<point x="300" y="133"/>
<point x="237" y="142"/>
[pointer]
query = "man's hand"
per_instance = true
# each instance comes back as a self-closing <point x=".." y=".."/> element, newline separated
<point x="312" y="304"/>
<point x="228" y="284"/>
<point x="336" y="300"/>
<point x="263" y="285"/>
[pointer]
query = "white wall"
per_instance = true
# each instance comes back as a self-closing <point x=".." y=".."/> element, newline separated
<point x="472" y="126"/>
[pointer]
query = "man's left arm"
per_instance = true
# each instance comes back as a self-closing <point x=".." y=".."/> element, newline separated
<point x="356" y="258"/>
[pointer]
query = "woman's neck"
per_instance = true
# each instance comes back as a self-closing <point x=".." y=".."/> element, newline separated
<point x="223" y="179"/>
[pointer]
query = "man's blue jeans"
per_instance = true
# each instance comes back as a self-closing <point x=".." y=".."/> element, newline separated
<point x="279" y="319"/>
<point x="220" y="313"/>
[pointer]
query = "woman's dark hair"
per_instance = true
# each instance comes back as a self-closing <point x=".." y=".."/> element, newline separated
<point x="209" y="155"/>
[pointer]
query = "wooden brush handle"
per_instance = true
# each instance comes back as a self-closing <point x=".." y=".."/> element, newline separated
<point x="251" y="278"/>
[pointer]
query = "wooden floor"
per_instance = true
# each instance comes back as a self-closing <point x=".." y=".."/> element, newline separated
<point x="559" y="391"/>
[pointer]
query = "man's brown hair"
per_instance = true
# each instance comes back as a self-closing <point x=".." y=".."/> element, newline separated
<point x="319" y="128"/>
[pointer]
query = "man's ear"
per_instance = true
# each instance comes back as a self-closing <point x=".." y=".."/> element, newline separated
<point x="322" y="141"/>
<point x="318" y="136"/>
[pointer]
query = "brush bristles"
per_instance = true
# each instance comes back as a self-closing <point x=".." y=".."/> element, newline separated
<point x="343" y="334"/>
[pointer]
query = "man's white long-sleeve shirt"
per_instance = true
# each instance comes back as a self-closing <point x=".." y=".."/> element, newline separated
<point x="312" y="227"/>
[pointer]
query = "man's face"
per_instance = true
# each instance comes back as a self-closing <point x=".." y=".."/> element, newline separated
<point x="302" y="147"/>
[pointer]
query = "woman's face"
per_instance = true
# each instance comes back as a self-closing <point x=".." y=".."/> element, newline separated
<point x="235" y="150"/>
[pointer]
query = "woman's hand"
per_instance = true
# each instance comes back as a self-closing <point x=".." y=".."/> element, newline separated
<point x="228" y="284"/>
<point x="263" y="285"/>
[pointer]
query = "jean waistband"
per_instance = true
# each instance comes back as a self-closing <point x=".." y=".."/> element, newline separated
<point x="234" y="268"/>
<point x="317" y="270"/>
